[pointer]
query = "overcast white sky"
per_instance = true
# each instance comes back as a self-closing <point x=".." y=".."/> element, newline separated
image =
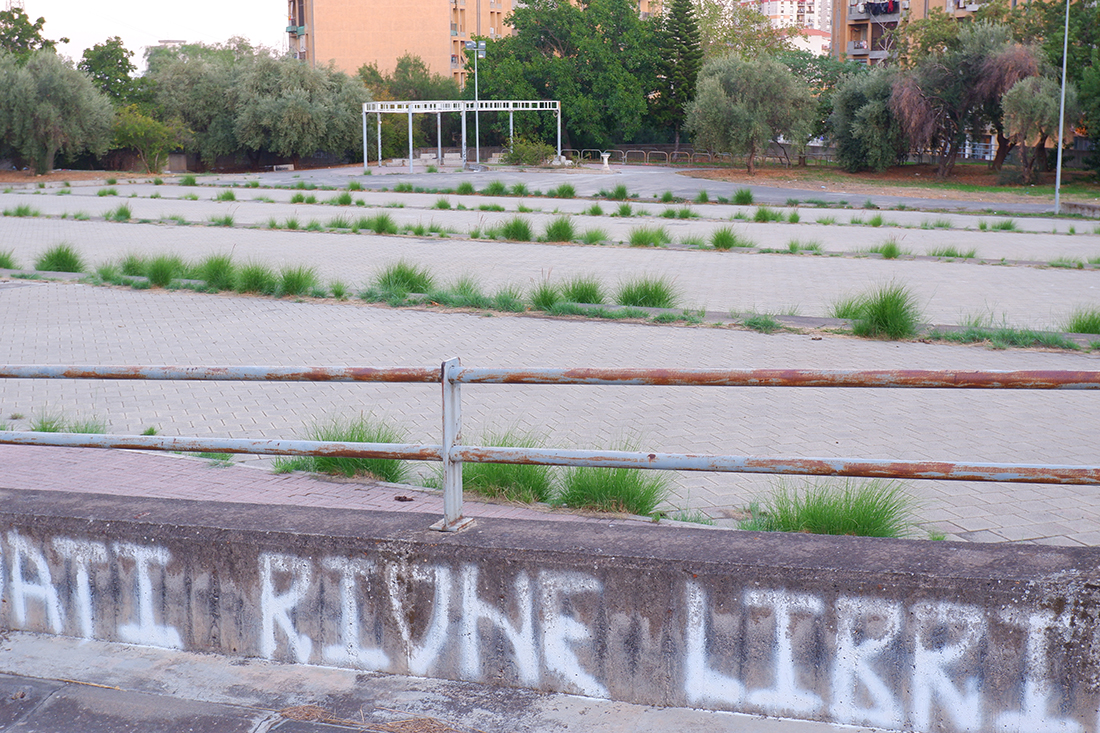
<point x="142" y="23"/>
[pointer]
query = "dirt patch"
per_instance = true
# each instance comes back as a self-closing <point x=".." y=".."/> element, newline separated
<point x="58" y="176"/>
<point x="902" y="180"/>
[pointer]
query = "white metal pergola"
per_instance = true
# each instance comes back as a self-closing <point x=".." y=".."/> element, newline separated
<point x="462" y="106"/>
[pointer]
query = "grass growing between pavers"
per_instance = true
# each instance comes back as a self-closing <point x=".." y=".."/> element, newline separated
<point x="889" y="311"/>
<point x="626" y="490"/>
<point x="61" y="257"/>
<point x="874" y="508"/>
<point x="1004" y="337"/>
<point x="512" y="482"/>
<point x="361" y="429"/>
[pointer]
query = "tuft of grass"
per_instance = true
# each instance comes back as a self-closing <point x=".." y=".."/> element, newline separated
<point x="163" y="269"/>
<point x="545" y="295"/>
<point x="22" y="210"/>
<point x="594" y="235"/>
<point x="619" y="193"/>
<point x="494" y="188"/>
<point x="188" y="181"/>
<point x="339" y="222"/>
<point x="509" y="299"/>
<point x="517" y="229"/>
<point x="463" y="293"/>
<point x="60" y="258"/>
<point x="626" y="490"/>
<point x="953" y="252"/>
<point x="583" y="289"/>
<point x="649" y="237"/>
<point x="120" y="214"/>
<point x="560" y="230"/>
<point x="355" y="186"/>
<point x="218" y="271"/>
<point x="683" y="212"/>
<point x="702" y="197"/>
<point x="225" y="220"/>
<point x="1084" y="320"/>
<point x="298" y="198"/>
<point x="513" y="482"/>
<point x="826" y="220"/>
<point x="743" y="197"/>
<point x="402" y="278"/>
<point x="48" y="422"/>
<point x="889" y="249"/>
<point x="594" y="210"/>
<point x="666" y="198"/>
<point x="291" y="223"/>
<point x="362" y="429"/>
<point x="727" y="238"/>
<point x="107" y="192"/>
<point x="133" y="265"/>
<point x="443" y="204"/>
<point x="874" y="508"/>
<point x="520" y="189"/>
<point x="7" y="260"/>
<point x="190" y="197"/>
<point x="490" y="207"/>
<point x="794" y="217"/>
<point x="624" y="211"/>
<point x="890" y="311"/>
<point x="465" y="189"/>
<point x="762" y="322"/>
<point x="1005" y="225"/>
<point x="379" y="223"/>
<point x="1004" y="337"/>
<point x="764" y="214"/>
<point x="256" y="277"/>
<point x="341" y="199"/>
<point x="875" y="221"/>
<point x="226" y="195"/>
<point x="297" y="280"/>
<point x="564" y="191"/>
<point x="112" y="181"/>
<point x="647" y="292"/>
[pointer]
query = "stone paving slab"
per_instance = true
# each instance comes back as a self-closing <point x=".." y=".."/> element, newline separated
<point x="59" y="323"/>
<point x="948" y="292"/>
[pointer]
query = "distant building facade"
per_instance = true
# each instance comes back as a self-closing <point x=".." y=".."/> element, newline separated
<point x="350" y="33"/>
<point x="859" y="27"/>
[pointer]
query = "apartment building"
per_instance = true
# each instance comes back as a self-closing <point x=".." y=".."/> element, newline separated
<point x="859" y="26"/>
<point x="351" y="33"/>
<point x="805" y="14"/>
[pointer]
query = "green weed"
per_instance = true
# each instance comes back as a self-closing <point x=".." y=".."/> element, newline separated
<point x="218" y="271"/>
<point x="188" y="181"/>
<point x="626" y="490"/>
<point x="702" y="197"/>
<point x="402" y="278"/>
<point x="647" y="292"/>
<point x="226" y="195"/>
<point x="442" y="204"/>
<point x="764" y="214"/>
<point x="465" y="189"/>
<point x="22" y="210"/>
<point x="594" y="210"/>
<point x="762" y="322"/>
<point x="60" y="258"/>
<point x="583" y="289"/>
<point x="889" y="249"/>
<point x="225" y="220"/>
<point x="516" y="229"/>
<point x="494" y="188"/>
<point x="594" y="235"/>
<point x="743" y="197"/>
<point x="379" y="224"/>
<point x="256" y="277"/>
<point x="545" y="295"/>
<point x="297" y="280"/>
<point x="341" y="199"/>
<point x="727" y="238"/>
<point x="107" y="192"/>
<point x="1084" y="320"/>
<point x="874" y="508"/>
<point x="560" y="230"/>
<point x="890" y="311"/>
<point x="120" y="214"/>
<point x="649" y="237"/>
<point x="163" y="269"/>
<point x="7" y="260"/>
<point x="363" y="429"/>
<point x="564" y="191"/>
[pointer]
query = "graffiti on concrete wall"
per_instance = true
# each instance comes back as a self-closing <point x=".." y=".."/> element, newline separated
<point x="861" y="660"/>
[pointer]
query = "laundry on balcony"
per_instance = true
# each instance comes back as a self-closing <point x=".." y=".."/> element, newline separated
<point x="891" y="6"/>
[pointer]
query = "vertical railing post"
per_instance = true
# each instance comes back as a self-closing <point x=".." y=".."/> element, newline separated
<point x="452" y="435"/>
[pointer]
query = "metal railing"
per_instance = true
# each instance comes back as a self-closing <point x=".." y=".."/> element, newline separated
<point x="451" y="375"/>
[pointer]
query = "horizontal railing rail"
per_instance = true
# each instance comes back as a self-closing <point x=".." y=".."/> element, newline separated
<point x="452" y="453"/>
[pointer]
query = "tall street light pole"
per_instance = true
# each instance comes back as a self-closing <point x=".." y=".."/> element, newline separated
<point x="1061" y="118"/>
<point x="479" y="48"/>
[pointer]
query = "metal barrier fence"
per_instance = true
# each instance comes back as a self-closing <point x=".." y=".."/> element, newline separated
<point x="452" y="453"/>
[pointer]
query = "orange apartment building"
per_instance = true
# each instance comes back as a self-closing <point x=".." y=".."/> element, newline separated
<point x="858" y="26"/>
<point x="351" y="33"/>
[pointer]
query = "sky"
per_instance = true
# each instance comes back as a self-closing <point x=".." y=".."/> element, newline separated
<point x="142" y="23"/>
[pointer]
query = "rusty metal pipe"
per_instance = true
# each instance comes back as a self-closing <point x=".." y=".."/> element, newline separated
<point x="425" y="375"/>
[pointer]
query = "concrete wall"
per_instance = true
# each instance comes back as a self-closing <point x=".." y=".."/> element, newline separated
<point x="913" y="635"/>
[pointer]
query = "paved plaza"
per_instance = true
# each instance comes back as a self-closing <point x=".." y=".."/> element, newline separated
<point x="61" y="323"/>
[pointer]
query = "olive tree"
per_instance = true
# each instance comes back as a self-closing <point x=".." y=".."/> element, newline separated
<point x="863" y="125"/>
<point x="1031" y="109"/>
<point x="49" y="107"/>
<point x="741" y="106"/>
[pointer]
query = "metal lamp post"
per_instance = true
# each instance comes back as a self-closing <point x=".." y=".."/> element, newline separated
<point x="479" y="47"/>
<point x="1061" y="118"/>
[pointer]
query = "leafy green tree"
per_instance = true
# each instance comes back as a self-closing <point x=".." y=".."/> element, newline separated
<point x="597" y="56"/>
<point x="49" y="107"/>
<point x="150" y="138"/>
<point x="1031" y="110"/>
<point x="20" y="37"/>
<point x="867" y="134"/>
<point x="109" y="66"/>
<point x="822" y="74"/>
<point x="681" y="57"/>
<point x="727" y="27"/>
<point x="742" y="106"/>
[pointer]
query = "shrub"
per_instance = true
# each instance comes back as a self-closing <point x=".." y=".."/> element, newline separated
<point x="60" y="258"/>
<point x="564" y="191"/>
<point x="516" y="229"/>
<point x="647" y="292"/>
<point x="403" y="277"/>
<point x="583" y="289"/>
<point x="528" y="152"/>
<point x="163" y="269"/>
<point x="1084" y="320"/>
<point x="874" y="508"/>
<point x="363" y="429"/>
<point x="743" y="197"/>
<point x="226" y="195"/>
<point x="297" y="280"/>
<point x="560" y="230"/>
<point x="255" y="277"/>
<point x="627" y="490"/>
<point x="188" y="181"/>
<point x="649" y="237"/>
<point x="218" y="271"/>
<point x="890" y="311"/>
<point x="727" y="238"/>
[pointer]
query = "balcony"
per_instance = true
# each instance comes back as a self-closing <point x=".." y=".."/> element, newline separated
<point x="296" y="30"/>
<point x="858" y="48"/>
<point x="456" y="61"/>
<point x="454" y="29"/>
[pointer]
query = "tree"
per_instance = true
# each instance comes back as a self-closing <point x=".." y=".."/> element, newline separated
<point x="943" y="96"/>
<point x="681" y="56"/>
<point x="151" y="139"/>
<point x="109" y="66"/>
<point x="596" y="56"/>
<point x="741" y="106"/>
<point x="822" y="74"/>
<point x="863" y="125"/>
<point x="1031" y="110"/>
<point x="728" y="26"/>
<point x="49" y="107"/>
<point x="20" y="37"/>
